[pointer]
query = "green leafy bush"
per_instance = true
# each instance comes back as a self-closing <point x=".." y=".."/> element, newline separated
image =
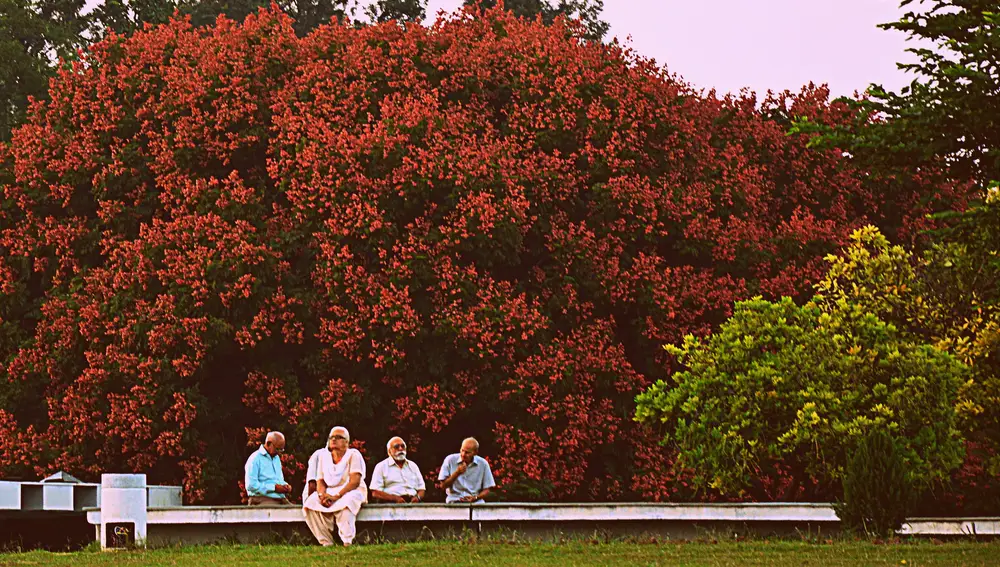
<point x="878" y="490"/>
<point x="785" y="392"/>
<point x="948" y="296"/>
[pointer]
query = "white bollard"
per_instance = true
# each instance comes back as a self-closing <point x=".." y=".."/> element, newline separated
<point x="123" y="511"/>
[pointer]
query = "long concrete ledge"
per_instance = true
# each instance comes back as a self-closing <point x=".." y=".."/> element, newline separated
<point x="780" y="512"/>
<point x="503" y="512"/>
<point x="391" y="522"/>
<point x="643" y="511"/>
<point x="293" y="514"/>
<point x="951" y="527"/>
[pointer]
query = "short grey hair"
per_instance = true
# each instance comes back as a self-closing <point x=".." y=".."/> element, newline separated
<point x="473" y="441"/>
<point x="343" y="430"/>
<point x="388" y="444"/>
<point x="274" y="436"/>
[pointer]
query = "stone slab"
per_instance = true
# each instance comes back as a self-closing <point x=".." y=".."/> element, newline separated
<point x="123" y="481"/>
<point x="57" y="497"/>
<point x="10" y="495"/>
<point x="951" y="527"/>
<point x="749" y="512"/>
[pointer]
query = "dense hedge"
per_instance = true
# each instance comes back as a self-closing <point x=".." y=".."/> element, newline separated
<point x="487" y="227"/>
<point x="787" y="394"/>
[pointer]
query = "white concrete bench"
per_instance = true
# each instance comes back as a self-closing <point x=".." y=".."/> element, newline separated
<point x="501" y="512"/>
<point x="205" y="524"/>
<point x="35" y="497"/>
<point x="126" y="516"/>
<point x="951" y="527"/>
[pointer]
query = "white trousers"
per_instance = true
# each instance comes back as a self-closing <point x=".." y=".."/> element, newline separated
<point x="321" y="525"/>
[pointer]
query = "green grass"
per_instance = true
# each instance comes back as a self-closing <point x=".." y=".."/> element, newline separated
<point x="453" y="553"/>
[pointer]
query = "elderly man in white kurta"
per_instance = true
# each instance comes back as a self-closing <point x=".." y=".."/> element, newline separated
<point x="340" y="490"/>
<point x="397" y="479"/>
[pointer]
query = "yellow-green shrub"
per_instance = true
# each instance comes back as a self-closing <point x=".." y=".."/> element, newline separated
<point x="788" y="390"/>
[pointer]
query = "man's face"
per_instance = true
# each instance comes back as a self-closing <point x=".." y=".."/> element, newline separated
<point x="275" y="447"/>
<point x="468" y="452"/>
<point x="397" y="450"/>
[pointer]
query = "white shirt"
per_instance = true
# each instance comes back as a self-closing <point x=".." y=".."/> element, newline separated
<point x="312" y="472"/>
<point x="392" y="479"/>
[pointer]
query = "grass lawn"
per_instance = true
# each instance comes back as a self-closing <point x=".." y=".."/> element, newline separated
<point x="442" y="554"/>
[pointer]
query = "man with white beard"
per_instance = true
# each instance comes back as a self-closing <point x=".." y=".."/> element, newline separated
<point x="397" y="479"/>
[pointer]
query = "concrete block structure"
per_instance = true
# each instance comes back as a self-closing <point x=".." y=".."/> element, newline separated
<point x="123" y="511"/>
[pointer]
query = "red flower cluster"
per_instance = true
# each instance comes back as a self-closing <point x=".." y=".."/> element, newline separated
<point x="488" y="227"/>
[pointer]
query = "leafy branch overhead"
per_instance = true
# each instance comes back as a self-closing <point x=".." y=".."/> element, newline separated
<point x="950" y="113"/>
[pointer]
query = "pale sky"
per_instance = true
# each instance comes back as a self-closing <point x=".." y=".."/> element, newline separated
<point x="761" y="44"/>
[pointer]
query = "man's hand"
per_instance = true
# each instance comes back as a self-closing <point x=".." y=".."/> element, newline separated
<point x="459" y="471"/>
<point x="283" y="488"/>
<point x="468" y="499"/>
<point x="399" y="500"/>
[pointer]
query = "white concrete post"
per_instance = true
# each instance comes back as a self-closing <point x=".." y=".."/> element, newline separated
<point x="123" y="509"/>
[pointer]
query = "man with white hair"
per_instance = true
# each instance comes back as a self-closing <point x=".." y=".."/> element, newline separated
<point x="263" y="478"/>
<point x="340" y="490"/>
<point x="465" y="476"/>
<point x="397" y="479"/>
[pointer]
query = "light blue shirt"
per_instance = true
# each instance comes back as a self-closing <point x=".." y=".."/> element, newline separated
<point x="476" y="478"/>
<point x="263" y="472"/>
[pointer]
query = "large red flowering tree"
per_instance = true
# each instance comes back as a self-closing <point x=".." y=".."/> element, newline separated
<point x="487" y="227"/>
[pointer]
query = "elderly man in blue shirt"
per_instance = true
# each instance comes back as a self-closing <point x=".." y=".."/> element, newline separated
<point x="264" y="479"/>
<point x="465" y="476"/>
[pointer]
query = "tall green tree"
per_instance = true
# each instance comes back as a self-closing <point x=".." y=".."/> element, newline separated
<point x="34" y="35"/>
<point x="308" y="14"/>
<point x="952" y="109"/>
<point x="950" y="112"/>
<point x="126" y="16"/>
<point x="587" y="11"/>
<point x="400" y="10"/>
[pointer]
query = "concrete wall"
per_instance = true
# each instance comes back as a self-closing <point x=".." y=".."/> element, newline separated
<point x="551" y="522"/>
<point x="548" y="522"/>
<point x="70" y="497"/>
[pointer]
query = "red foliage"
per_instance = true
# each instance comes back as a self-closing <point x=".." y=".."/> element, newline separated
<point x="974" y="489"/>
<point x="487" y="227"/>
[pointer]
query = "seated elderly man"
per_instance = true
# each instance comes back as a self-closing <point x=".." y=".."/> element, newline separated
<point x="263" y="477"/>
<point x="340" y="490"/>
<point x="465" y="476"/>
<point x="397" y="479"/>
